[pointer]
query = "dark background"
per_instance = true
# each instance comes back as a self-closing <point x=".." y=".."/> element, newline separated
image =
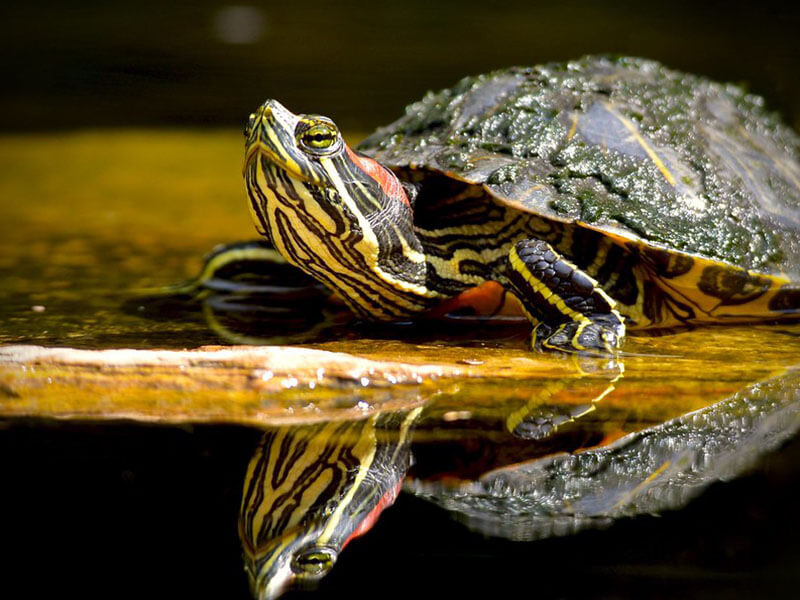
<point x="88" y="64"/>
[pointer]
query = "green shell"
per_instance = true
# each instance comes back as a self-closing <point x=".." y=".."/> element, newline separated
<point x="622" y="145"/>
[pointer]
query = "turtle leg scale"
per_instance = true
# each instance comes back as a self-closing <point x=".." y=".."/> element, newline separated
<point x="570" y="310"/>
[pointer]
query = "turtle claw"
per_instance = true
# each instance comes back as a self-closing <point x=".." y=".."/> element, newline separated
<point x="579" y="337"/>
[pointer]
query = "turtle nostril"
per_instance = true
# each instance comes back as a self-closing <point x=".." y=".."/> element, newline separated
<point x="271" y="107"/>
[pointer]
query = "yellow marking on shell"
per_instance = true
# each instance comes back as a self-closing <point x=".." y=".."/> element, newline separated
<point x="627" y="497"/>
<point x="574" y="127"/>
<point x="564" y="245"/>
<point x="635" y="312"/>
<point x="652" y="155"/>
<point x="612" y="279"/>
<point x="709" y="309"/>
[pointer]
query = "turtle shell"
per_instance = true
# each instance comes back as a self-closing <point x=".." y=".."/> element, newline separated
<point x="624" y="146"/>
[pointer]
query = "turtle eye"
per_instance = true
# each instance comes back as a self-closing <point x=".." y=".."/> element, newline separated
<point x="319" y="137"/>
<point x="313" y="562"/>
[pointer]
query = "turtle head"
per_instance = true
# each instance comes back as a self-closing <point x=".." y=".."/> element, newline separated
<point x="309" y="491"/>
<point x="293" y="144"/>
<point x="339" y="216"/>
<point x="295" y="560"/>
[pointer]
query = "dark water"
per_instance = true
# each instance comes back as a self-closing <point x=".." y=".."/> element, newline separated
<point x="125" y="511"/>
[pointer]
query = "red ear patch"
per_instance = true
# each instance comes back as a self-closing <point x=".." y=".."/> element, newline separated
<point x="386" y="179"/>
<point x="372" y="517"/>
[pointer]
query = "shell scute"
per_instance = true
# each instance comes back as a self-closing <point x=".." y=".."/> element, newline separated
<point x="662" y="159"/>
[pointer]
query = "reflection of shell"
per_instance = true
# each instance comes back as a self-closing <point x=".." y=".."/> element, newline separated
<point x="656" y="469"/>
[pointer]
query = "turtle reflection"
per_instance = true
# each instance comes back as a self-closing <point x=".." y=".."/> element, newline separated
<point x="246" y="293"/>
<point x="658" y="468"/>
<point x="311" y="489"/>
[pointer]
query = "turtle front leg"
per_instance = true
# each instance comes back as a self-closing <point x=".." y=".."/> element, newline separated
<point x="569" y="309"/>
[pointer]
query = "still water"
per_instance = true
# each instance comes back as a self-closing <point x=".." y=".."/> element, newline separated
<point x="521" y="472"/>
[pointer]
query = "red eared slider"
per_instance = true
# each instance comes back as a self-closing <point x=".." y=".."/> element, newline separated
<point x="604" y="193"/>
<point x="312" y="489"/>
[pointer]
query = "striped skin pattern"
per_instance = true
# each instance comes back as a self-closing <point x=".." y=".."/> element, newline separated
<point x="346" y="221"/>
<point x="331" y="219"/>
<point x="466" y="234"/>
<point x="571" y="307"/>
<point x="309" y="490"/>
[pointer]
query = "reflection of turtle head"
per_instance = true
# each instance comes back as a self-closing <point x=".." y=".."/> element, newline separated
<point x="295" y="560"/>
<point x="308" y="492"/>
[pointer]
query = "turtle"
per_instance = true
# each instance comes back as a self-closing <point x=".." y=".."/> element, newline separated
<point x="311" y="489"/>
<point x="603" y="195"/>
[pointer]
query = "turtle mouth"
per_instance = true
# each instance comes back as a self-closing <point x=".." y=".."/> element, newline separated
<point x="257" y="151"/>
<point x="270" y="138"/>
